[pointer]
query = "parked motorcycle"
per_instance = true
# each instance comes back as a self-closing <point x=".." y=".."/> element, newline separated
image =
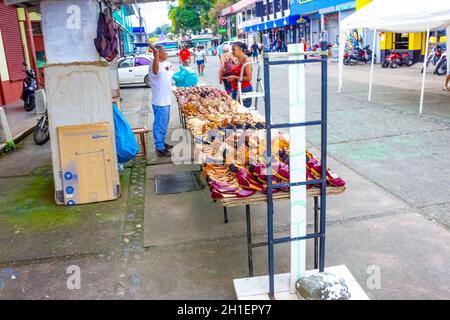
<point x="433" y="57"/>
<point x="441" y="66"/>
<point x="29" y="89"/>
<point x="41" y="132"/>
<point x="396" y="59"/>
<point x="358" y="54"/>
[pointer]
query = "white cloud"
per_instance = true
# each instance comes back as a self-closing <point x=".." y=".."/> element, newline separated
<point x="154" y="15"/>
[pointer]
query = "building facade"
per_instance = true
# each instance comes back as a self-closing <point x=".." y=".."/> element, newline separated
<point x="317" y="16"/>
<point x="122" y="17"/>
<point x="15" y="49"/>
<point x="288" y="20"/>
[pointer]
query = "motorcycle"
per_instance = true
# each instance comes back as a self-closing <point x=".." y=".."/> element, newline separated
<point x="29" y="89"/>
<point x="396" y="59"/>
<point x="358" y="55"/>
<point x="441" y="66"/>
<point x="41" y="132"/>
<point x="434" y="57"/>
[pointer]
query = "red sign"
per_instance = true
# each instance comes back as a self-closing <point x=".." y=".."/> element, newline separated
<point x="222" y="21"/>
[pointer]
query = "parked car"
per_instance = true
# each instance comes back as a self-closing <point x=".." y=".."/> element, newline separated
<point x="135" y="69"/>
<point x="172" y="52"/>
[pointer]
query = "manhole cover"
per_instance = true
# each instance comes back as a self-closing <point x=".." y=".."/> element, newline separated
<point x="178" y="183"/>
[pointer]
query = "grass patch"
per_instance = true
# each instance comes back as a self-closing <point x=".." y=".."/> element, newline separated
<point x="31" y="206"/>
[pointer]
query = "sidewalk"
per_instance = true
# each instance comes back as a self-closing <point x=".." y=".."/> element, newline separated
<point x="394" y="215"/>
<point x="20" y="121"/>
<point x="380" y="223"/>
<point x="41" y="240"/>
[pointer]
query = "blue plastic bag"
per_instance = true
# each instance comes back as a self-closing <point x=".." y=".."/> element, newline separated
<point x="126" y="145"/>
<point x="186" y="77"/>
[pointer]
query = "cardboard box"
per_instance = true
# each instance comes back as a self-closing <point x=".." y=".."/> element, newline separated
<point x="88" y="163"/>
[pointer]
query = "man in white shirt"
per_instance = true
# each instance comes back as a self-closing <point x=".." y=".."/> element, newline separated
<point x="161" y="100"/>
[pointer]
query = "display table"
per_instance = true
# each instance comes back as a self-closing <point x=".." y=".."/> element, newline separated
<point x="260" y="199"/>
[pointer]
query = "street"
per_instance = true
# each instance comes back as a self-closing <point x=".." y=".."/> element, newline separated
<point x="390" y="228"/>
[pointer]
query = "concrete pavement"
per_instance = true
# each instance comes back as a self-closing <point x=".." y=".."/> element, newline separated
<point x="20" y="122"/>
<point x="393" y="219"/>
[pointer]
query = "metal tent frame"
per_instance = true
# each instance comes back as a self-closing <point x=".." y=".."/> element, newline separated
<point x="272" y="241"/>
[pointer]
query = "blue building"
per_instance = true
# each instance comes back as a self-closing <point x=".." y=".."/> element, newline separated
<point x="318" y="16"/>
<point x="122" y="18"/>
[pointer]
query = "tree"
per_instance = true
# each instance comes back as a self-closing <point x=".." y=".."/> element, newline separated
<point x="165" y="28"/>
<point x="157" y="31"/>
<point x="194" y="15"/>
<point x="215" y="13"/>
<point x="185" y="19"/>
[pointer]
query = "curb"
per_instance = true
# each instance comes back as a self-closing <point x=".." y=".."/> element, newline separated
<point x="18" y="138"/>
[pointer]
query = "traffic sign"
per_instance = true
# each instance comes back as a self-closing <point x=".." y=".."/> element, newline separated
<point x="222" y="21"/>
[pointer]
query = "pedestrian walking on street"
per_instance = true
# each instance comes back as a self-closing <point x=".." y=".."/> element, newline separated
<point x="185" y="57"/>
<point x="200" y="59"/>
<point x="161" y="100"/>
<point x="241" y="53"/>
<point x="227" y="62"/>
<point x="255" y="51"/>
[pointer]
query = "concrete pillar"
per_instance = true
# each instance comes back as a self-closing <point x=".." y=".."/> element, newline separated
<point x="41" y="101"/>
<point x="5" y="132"/>
<point x="78" y="83"/>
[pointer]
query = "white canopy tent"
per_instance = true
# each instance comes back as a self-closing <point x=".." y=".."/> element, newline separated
<point x="397" y="16"/>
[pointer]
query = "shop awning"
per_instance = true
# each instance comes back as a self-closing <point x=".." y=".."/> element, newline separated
<point x="286" y="21"/>
<point x="270" y="24"/>
<point x="279" y="23"/>
<point x="397" y="16"/>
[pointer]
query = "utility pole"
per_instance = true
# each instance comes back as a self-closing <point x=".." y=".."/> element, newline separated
<point x="140" y="24"/>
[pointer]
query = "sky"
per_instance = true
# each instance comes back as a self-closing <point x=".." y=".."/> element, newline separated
<point x="154" y="14"/>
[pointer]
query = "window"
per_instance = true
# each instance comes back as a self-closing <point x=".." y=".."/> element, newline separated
<point x="401" y="40"/>
<point x="127" y="63"/>
<point x="139" y="62"/>
<point x="37" y="28"/>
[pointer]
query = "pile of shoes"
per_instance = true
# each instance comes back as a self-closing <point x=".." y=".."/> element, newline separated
<point x="241" y="181"/>
<point x="230" y="143"/>
<point x="235" y="166"/>
<point x="206" y="108"/>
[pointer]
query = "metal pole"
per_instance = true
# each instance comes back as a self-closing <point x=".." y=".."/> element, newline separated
<point x="140" y="24"/>
<point x="269" y="181"/>
<point x="373" y="63"/>
<point x="249" y="240"/>
<point x="424" y="68"/>
<point x="316" y="231"/>
<point x="341" y="58"/>
<point x="225" y="214"/>
<point x="323" y="190"/>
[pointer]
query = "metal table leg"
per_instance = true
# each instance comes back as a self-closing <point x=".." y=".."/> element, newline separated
<point x="316" y="231"/>
<point x="225" y="214"/>
<point x="180" y="115"/>
<point x="249" y="241"/>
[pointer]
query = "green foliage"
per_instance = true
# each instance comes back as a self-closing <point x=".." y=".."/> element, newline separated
<point x="185" y="19"/>
<point x="196" y="14"/>
<point x="216" y="12"/>
<point x="9" y="146"/>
